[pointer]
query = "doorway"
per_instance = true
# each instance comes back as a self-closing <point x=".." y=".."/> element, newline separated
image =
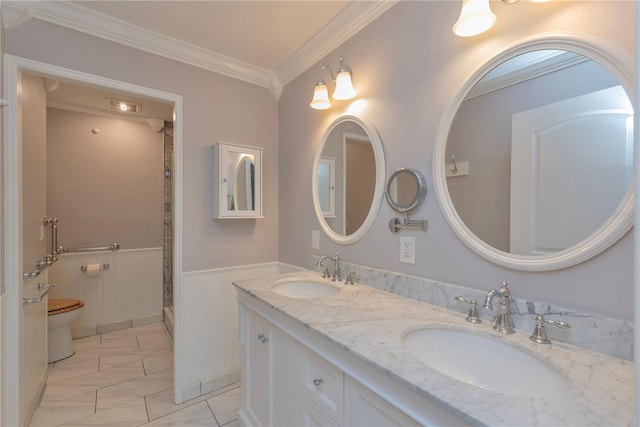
<point x="15" y="405"/>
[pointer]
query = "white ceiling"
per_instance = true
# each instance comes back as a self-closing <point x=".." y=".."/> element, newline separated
<point x="268" y="42"/>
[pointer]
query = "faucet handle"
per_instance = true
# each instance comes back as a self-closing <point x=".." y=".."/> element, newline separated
<point x="349" y="279"/>
<point x="472" y="317"/>
<point x="539" y="334"/>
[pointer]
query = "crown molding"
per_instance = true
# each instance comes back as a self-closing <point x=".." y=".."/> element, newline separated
<point x="526" y="71"/>
<point x="78" y="18"/>
<point x="354" y="17"/>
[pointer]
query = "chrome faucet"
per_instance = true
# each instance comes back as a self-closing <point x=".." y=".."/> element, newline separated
<point x="336" y="269"/>
<point x="325" y="272"/>
<point x="503" y="323"/>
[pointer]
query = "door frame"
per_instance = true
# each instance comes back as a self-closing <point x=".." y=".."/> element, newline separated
<point x="11" y="324"/>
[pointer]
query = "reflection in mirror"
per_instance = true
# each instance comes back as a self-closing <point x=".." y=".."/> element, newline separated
<point x="245" y="185"/>
<point x="548" y="137"/>
<point x="327" y="186"/>
<point x="348" y="179"/>
<point x="349" y="148"/>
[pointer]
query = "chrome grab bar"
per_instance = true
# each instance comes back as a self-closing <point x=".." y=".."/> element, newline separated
<point x="49" y="259"/>
<point x="41" y="286"/>
<point x="112" y="247"/>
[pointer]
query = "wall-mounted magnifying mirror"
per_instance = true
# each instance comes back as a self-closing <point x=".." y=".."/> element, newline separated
<point x="348" y="179"/>
<point x="546" y="131"/>
<point x="405" y="191"/>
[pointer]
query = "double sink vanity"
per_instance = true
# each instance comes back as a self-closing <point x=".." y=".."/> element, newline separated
<point x="317" y="352"/>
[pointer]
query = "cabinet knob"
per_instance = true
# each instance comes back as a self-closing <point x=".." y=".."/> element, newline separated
<point x="317" y="381"/>
<point x="262" y="338"/>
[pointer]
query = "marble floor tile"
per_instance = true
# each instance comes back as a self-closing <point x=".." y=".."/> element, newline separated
<point x="65" y="410"/>
<point x="107" y="377"/>
<point x="55" y="393"/>
<point x="158" y="362"/>
<point x="125" y="378"/>
<point x="131" y="414"/>
<point x="225" y="406"/>
<point x="198" y="415"/>
<point x="133" y="389"/>
<point x="161" y="403"/>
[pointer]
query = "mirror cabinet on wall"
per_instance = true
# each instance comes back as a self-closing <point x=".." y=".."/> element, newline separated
<point x="238" y="187"/>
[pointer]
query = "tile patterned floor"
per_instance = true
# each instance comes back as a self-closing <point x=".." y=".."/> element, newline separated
<point x="125" y="378"/>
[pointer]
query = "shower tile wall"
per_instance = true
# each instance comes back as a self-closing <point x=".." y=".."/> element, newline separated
<point x="168" y="215"/>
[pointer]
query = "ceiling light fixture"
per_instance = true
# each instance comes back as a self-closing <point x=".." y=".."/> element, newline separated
<point x="123" y="106"/>
<point x="344" y="88"/>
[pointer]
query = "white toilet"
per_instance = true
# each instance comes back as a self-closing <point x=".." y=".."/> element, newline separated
<point x="61" y="313"/>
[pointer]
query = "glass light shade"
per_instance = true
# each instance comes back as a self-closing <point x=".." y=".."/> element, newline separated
<point x="320" y="99"/>
<point x="344" y="88"/>
<point x="475" y="18"/>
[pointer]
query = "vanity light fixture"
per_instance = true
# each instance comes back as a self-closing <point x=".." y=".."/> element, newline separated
<point x="476" y="17"/>
<point x="344" y="87"/>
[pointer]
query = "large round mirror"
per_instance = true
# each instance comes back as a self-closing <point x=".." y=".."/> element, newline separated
<point x="348" y="179"/>
<point x="543" y="135"/>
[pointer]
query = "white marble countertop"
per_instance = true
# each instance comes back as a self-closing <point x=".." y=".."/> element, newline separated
<point x="370" y="325"/>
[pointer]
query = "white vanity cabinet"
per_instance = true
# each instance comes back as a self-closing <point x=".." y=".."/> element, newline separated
<point x="287" y="382"/>
<point x="237" y="190"/>
<point x="268" y="367"/>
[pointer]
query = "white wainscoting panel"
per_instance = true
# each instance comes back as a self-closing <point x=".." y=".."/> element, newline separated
<point x="128" y="291"/>
<point x="208" y="324"/>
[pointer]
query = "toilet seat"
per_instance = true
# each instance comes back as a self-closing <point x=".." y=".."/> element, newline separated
<point x="63" y="305"/>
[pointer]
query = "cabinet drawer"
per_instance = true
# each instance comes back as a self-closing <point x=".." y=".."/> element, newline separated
<point x="322" y="383"/>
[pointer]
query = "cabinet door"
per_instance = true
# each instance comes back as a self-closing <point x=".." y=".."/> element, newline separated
<point x="283" y="378"/>
<point x="255" y="384"/>
<point x="365" y="408"/>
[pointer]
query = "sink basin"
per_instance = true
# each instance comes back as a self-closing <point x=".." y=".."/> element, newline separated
<point x="304" y="289"/>
<point x="485" y="362"/>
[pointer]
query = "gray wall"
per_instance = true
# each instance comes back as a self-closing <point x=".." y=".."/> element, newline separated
<point x="216" y="108"/>
<point x="407" y="67"/>
<point x="105" y="187"/>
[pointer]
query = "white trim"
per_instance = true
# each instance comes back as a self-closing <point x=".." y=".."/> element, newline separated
<point x="87" y="21"/>
<point x="198" y="273"/>
<point x="12" y="249"/>
<point x="352" y="19"/>
<point x="12" y="276"/>
<point x="621" y="67"/>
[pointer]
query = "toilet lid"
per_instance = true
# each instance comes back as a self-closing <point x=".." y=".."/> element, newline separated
<point x="62" y="305"/>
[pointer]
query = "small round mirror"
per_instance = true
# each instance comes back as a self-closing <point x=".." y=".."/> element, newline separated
<point x="405" y="190"/>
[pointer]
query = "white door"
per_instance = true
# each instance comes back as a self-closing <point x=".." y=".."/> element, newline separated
<point x="571" y="163"/>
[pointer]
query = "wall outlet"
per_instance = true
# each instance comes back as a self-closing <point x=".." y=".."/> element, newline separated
<point x="315" y="239"/>
<point x="408" y="249"/>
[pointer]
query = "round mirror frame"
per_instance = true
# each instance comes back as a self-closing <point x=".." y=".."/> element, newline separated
<point x="378" y="152"/>
<point x="421" y="191"/>
<point x="621" y="66"/>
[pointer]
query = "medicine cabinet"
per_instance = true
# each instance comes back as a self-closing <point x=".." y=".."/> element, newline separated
<point x="238" y="186"/>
